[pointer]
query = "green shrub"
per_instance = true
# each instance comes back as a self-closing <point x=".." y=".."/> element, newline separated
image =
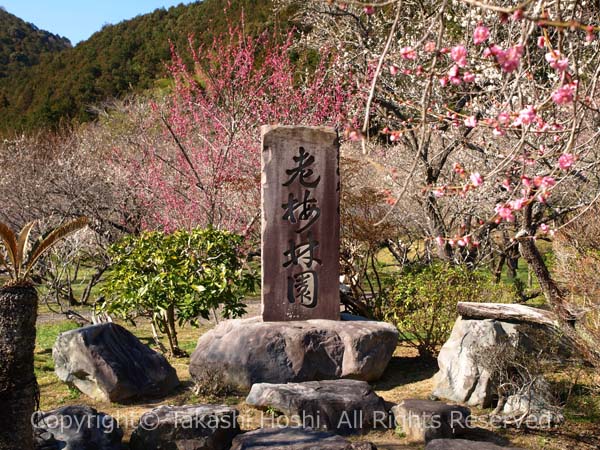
<point x="422" y="303"/>
<point x="176" y="277"/>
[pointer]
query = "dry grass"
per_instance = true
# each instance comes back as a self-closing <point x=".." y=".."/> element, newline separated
<point x="406" y="377"/>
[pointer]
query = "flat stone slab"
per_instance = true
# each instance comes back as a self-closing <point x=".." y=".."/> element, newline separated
<point x="341" y="406"/>
<point x="191" y="427"/>
<point x="463" y="444"/>
<point x="426" y="420"/>
<point x="76" y="428"/>
<point x="243" y="352"/>
<point x="295" y="439"/>
<point x="108" y="363"/>
<point x="507" y="312"/>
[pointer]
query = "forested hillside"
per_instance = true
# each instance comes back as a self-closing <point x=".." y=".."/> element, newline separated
<point x="22" y="44"/>
<point x="120" y="58"/>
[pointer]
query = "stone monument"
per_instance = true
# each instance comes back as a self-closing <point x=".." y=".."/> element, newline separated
<point x="300" y="223"/>
<point x="300" y="336"/>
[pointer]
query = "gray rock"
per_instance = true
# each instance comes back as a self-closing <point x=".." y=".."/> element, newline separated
<point x="108" y="363"/>
<point x="342" y="406"/>
<point x="248" y="351"/>
<point x="76" y="428"/>
<point x="295" y="439"/>
<point x="535" y="407"/>
<point x="462" y="444"/>
<point x="460" y="379"/>
<point x="195" y="427"/>
<point x="425" y="420"/>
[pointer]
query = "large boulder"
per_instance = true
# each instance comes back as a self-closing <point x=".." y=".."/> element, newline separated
<point x="195" y="427"/>
<point x="461" y="377"/>
<point x="425" y="420"/>
<point x="342" y="406"/>
<point x="243" y="352"/>
<point x="108" y="363"/>
<point x="295" y="439"/>
<point x="76" y="428"/>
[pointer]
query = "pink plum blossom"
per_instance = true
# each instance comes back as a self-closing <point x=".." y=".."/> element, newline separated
<point x="468" y="77"/>
<point x="459" y="55"/>
<point x="541" y="42"/>
<point x="544" y="228"/>
<point x="394" y="69"/>
<point x="408" y="53"/>
<point x="526" y="116"/>
<point x="556" y="61"/>
<point x="480" y="34"/>
<point x="518" y="203"/>
<point x="566" y="160"/>
<point x="504" y="118"/>
<point x="509" y="60"/>
<point x="471" y="122"/>
<point x="504" y="212"/>
<point x="476" y="179"/>
<point x="564" y="94"/>
<point x="454" y="75"/>
<point x="430" y="46"/>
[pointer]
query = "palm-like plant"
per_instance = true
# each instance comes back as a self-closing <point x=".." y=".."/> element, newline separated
<point x="18" y="313"/>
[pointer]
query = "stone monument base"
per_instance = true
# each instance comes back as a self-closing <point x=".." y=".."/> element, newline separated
<point x="242" y="352"/>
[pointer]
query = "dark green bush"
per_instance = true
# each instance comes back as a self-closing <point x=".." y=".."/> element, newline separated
<point x="422" y="302"/>
<point x="176" y="277"/>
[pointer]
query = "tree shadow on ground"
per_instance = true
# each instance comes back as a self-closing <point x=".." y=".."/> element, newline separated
<point x="483" y="435"/>
<point x="405" y="370"/>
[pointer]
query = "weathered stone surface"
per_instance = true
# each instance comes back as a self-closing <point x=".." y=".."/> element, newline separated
<point x="341" y="406"/>
<point x="462" y="444"/>
<point x="300" y="223"/>
<point x="506" y="312"/>
<point x="108" y="363"/>
<point x="425" y="420"/>
<point x="461" y="377"/>
<point x="194" y="427"/>
<point x="76" y="428"/>
<point x="295" y="439"/>
<point x="248" y="351"/>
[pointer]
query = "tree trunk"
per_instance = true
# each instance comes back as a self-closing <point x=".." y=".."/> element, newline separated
<point x="18" y="386"/>
<point x="172" y="333"/>
<point x="437" y="228"/>
<point x="586" y="345"/>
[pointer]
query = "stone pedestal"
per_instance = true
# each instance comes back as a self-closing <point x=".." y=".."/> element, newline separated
<point x="243" y="352"/>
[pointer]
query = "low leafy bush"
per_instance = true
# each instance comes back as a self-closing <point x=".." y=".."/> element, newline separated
<point x="177" y="277"/>
<point x="422" y="302"/>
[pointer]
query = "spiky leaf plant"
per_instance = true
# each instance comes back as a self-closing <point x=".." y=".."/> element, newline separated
<point x="19" y="266"/>
<point x="18" y="313"/>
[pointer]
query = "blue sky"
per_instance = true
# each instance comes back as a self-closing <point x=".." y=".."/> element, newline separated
<point x="79" y="19"/>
